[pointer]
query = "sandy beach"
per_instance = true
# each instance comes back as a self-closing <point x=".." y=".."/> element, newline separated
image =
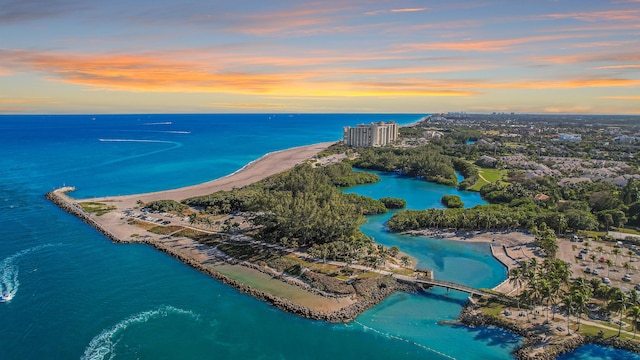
<point x="115" y="225"/>
<point x="257" y="170"/>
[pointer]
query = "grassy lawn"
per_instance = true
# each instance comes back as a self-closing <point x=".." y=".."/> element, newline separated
<point x="491" y="175"/>
<point x="96" y="207"/>
<point x="628" y="231"/>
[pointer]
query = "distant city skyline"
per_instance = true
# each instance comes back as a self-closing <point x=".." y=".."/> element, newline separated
<point x="546" y="56"/>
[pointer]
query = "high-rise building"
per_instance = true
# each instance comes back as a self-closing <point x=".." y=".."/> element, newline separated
<point x="371" y="135"/>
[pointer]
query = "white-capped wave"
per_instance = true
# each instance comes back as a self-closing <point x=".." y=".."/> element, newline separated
<point x="159" y="123"/>
<point x="104" y="343"/>
<point x="9" y="277"/>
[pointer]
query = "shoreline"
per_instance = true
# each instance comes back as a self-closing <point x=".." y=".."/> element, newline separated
<point x="311" y="304"/>
<point x="536" y="346"/>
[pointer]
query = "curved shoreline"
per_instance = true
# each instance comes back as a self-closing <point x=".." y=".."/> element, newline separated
<point x="256" y="170"/>
<point x="533" y="346"/>
<point x="111" y="226"/>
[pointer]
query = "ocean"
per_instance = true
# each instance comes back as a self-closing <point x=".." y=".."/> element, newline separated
<point x="66" y="292"/>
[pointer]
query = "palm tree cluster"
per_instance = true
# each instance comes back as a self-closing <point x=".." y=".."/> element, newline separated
<point x="548" y="284"/>
<point x="544" y="284"/>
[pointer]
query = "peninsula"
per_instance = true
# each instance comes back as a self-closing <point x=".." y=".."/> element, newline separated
<point x="234" y="258"/>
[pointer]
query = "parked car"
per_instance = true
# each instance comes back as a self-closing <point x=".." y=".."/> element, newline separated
<point x="605" y="280"/>
<point x="588" y="271"/>
<point x="579" y="256"/>
<point x="627" y="277"/>
<point x="637" y="287"/>
<point x="596" y="272"/>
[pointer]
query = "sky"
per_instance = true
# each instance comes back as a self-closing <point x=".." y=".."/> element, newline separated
<point x="324" y="56"/>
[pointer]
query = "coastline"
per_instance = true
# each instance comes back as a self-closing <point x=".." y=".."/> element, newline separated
<point x="311" y="304"/>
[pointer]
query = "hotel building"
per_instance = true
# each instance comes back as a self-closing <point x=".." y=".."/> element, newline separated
<point x="371" y="135"/>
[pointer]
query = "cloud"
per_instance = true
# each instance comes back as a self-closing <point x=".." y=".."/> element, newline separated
<point x="610" y="15"/>
<point x="38" y="101"/>
<point x="484" y="45"/>
<point x="147" y="73"/>
<point x="622" y="97"/>
<point x="391" y="11"/>
<point x="628" y="66"/>
<point x="249" y="105"/>
<point x="19" y="11"/>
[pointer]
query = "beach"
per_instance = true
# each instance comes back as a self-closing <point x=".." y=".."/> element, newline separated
<point x="269" y="164"/>
<point x="277" y="289"/>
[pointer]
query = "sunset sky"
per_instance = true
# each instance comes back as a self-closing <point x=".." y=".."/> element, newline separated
<point x="328" y="56"/>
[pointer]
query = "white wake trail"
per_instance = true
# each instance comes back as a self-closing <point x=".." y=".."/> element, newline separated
<point x="103" y="344"/>
<point x="9" y="277"/>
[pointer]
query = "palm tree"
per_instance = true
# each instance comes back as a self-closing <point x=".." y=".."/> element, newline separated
<point x="618" y="303"/>
<point x="516" y="278"/>
<point x="405" y="261"/>
<point x="593" y="259"/>
<point x="581" y="300"/>
<point x="635" y="313"/>
<point x="609" y="263"/>
<point x="627" y="266"/>
<point x="634" y="298"/>
<point x="616" y="252"/>
<point x="568" y="304"/>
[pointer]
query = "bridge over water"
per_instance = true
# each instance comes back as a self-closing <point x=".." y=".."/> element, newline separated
<point x="445" y="284"/>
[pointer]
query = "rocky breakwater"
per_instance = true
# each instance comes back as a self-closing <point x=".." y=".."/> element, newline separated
<point x="368" y="292"/>
<point x="60" y="198"/>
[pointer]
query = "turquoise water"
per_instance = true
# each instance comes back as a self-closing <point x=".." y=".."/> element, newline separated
<point x="69" y="293"/>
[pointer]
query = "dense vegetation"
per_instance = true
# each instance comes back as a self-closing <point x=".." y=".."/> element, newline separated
<point x="393" y="203"/>
<point x="303" y="207"/>
<point x="425" y="162"/>
<point x="165" y="205"/>
<point x="582" y="206"/>
<point x="452" y="201"/>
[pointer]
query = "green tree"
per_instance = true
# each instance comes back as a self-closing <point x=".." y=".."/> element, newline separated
<point x="634" y="312"/>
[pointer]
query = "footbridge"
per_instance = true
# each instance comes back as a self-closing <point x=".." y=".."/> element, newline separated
<point x="445" y="284"/>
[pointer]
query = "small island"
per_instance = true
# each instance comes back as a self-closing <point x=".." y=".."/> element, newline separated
<point x="281" y="230"/>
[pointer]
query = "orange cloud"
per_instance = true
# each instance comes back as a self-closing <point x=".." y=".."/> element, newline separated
<point x="622" y="97"/>
<point x="249" y="105"/>
<point x="154" y="74"/>
<point x="612" y="15"/>
<point x="484" y="45"/>
<point x="629" y="66"/>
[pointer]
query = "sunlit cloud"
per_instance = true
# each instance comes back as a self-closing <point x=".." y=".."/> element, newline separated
<point x="612" y="15"/>
<point x="145" y="73"/>
<point x="248" y="105"/>
<point x="629" y="66"/>
<point x="568" y="110"/>
<point x="484" y="45"/>
<point x="622" y="97"/>
<point x="29" y="101"/>
<point x="391" y="11"/>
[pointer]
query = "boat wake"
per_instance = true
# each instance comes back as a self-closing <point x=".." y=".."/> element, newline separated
<point x="137" y="140"/>
<point x="110" y="162"/>
<point x="103" y="345"/>
<point x="9" y="277"/>
<point x="395" y="337"/>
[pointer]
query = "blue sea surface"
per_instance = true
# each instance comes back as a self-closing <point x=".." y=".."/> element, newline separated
<point x="67" y="292"/>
